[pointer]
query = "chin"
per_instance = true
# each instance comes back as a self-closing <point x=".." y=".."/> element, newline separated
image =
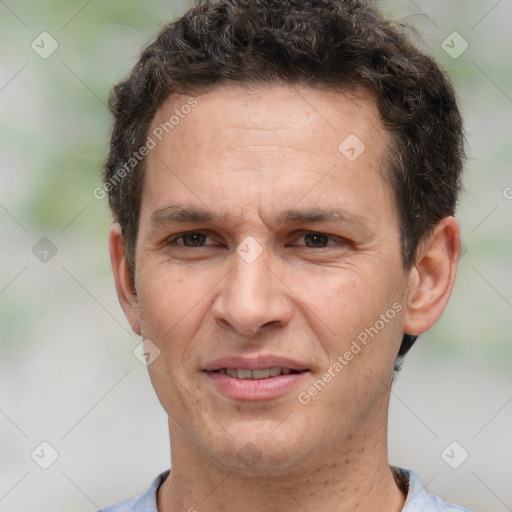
<point x="256" y="448"/>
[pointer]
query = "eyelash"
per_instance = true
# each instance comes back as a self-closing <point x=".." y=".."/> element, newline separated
<point x="172" y="240"/>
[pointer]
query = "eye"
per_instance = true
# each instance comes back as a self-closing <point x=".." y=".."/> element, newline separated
<point x="191" y="239"/>
<point x="318" y="240"/>
<point x="312" y="240"/>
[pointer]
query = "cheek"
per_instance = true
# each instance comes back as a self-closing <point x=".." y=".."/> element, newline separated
<point x="351" y="300"/>
<point x="361" y="328"/>
<point x="174" y="301"/>
<point x="170" y="305"/>
<point x="162" y="305"/>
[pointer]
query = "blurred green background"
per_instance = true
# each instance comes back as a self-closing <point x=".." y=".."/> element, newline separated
<point x="68" y="375"/>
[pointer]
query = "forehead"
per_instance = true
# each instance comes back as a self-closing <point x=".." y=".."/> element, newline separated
<point x="279" y="142"/>
<point x="274" y="111"/>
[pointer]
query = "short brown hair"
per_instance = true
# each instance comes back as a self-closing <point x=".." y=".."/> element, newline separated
<point x="338" y="44"/>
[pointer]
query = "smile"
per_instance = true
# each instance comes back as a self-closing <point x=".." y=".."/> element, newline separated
<point x="255" y="385"/>
<point x="240" y="373"/>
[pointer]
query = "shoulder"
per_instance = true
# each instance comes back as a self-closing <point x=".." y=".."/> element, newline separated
<point x="418" y="500"/>
<point x="146" y="502"/>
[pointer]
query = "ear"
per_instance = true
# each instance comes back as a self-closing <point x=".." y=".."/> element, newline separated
<point x="432" y="278"/>
<point x="125" y="287"/>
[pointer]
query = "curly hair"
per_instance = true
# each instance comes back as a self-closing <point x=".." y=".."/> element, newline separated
<point x="340" y="45"/>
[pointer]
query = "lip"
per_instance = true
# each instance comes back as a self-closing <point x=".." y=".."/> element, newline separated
<point x="255" y="389"/>
<point x="255" y="363"/>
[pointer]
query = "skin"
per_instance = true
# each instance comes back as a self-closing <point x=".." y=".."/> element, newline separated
<point x="246" y="155"/>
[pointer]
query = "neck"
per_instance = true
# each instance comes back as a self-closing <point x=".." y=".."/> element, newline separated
<point x="353" y="477"/>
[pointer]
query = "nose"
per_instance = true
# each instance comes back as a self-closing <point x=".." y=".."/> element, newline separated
<point x="253" y="298"/>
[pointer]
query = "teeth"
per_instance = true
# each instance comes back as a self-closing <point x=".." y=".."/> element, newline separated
<point x="244" y="374"/>
<point x="260" y="374"/>
<point x="255" y="374"/>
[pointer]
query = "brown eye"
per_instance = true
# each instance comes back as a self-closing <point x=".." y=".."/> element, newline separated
<point x="317" y="239"/>
<point x="195" y="239"/>
<point x="190" y="239"/>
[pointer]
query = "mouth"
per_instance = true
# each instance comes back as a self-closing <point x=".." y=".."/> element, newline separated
<point x="260" y="374"/>
<point x="255" y="379"/>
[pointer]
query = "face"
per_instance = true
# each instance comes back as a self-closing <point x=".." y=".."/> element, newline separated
<point x="268" y="244"/>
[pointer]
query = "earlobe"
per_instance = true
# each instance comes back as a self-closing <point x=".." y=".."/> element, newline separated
<point x="124" y="286"/>
<point x="432" y="278"/>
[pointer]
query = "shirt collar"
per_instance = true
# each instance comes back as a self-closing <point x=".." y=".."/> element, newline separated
<point x="418" y="500"/>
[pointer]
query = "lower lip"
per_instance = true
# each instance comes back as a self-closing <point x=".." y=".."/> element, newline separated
<point x="255" y="389"/>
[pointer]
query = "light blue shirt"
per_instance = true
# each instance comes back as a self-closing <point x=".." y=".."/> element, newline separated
<point x="418" y="500"/>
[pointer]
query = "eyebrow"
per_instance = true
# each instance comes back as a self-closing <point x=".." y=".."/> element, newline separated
<point x="193" y="215"/>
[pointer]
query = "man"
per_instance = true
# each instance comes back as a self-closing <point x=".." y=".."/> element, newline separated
<point x="283" y="177"/>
